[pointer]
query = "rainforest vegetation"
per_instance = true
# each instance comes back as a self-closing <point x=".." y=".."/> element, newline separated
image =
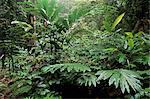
<point x="70" y="49"/>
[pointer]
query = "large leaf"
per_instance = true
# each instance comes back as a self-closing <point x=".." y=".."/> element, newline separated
<point x="49" y="9"/>
<point x="65" y="67"/>
<point x="116" y="22"/>
<point x="125" y="79"/>
<point x="24" y="25"/>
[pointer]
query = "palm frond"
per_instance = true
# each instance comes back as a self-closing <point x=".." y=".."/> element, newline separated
<point x="68" y="66"/>
<point x="125" y="79"/>
<point x="143" y="93"/>
<point x="49" y="10"/>
<point x="87" y="80"/>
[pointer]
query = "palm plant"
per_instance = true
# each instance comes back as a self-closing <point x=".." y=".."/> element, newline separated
<point x="49" y="9"/>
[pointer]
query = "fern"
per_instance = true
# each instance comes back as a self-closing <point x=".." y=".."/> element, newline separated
<point x="121" y="78"/>
<point x="69" y="67"/>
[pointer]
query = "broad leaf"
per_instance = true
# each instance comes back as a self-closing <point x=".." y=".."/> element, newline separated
<point x="68" y="66"/>
<point x="125" y="79"/>
<point x="116" y="22"/>
<point x="24" y="25"/>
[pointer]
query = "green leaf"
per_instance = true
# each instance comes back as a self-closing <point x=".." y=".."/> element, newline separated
<point x="110" y="49"/>
<point x="56" y="14"/>
<point x="116" y="22"/>
<point x="2" y="86"/>
<point x="125" y="79"/>
<point x="113" y="78"/>
<point x="131" y="43"/>
<point x="146" y="60"/>
<point x="24" y="25"/>
<point x="126" y="45"/>
<point x="21" y="90"/>
<point x="129" y="34"/>
<point x="50" y="10"/>
<point x="24" y="3"/>
<point x="101" y="75"/>
<point x="88" y="80"/>
<point x="122" y="58"/>
<point x="70" y="67"/>
<point x="147" y="72"/>
<point x="17" y="84"/>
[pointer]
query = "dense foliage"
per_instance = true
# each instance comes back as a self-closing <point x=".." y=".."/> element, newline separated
<point x="92" y="47"/>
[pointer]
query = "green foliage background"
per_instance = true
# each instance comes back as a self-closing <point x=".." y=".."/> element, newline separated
<point x="88" y="45"/>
